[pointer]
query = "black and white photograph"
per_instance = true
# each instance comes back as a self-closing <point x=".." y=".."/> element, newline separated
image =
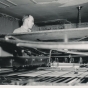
<point x="44" y="42"/>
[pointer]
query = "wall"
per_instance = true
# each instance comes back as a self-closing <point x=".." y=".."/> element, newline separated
<point x="8" y="23"/>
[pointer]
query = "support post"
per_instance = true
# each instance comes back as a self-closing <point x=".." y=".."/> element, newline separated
<point x="73" y="62"/>
<point x="66" y="60"/>
<point x="79" y="15"/>
<point x="0" y="51"/>
<point x="80" y="61"/>
<point x="65" y="38"/>
<point x="49" y="63"/>
<point x="57" y="62"/>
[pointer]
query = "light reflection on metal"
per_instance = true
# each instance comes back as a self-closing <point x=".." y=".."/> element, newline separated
<point x="41" y="59"/>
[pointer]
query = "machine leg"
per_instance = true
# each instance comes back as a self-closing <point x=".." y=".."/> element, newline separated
<point x="57" y="62"/>
<point x="50" y="58"/>
<point x="66" y="60"/>
<point x="80" y="61"/>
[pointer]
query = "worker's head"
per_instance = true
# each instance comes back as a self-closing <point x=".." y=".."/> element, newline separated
<point x="28" y="21"/>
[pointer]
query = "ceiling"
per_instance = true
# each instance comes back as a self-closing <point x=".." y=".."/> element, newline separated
<point x="45" y="10"/>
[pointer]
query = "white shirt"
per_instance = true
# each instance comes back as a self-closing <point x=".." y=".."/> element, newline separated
<point x="22" y="29"/>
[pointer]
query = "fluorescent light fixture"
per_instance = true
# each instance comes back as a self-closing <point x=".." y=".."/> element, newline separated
<point x="34" y="1"/>
<point x="11" y="2"/>
<point x="4" y="4"/>
<point x="54" y="1"/>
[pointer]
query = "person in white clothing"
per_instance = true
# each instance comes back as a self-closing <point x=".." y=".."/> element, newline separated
<point x="28" y="22"/>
